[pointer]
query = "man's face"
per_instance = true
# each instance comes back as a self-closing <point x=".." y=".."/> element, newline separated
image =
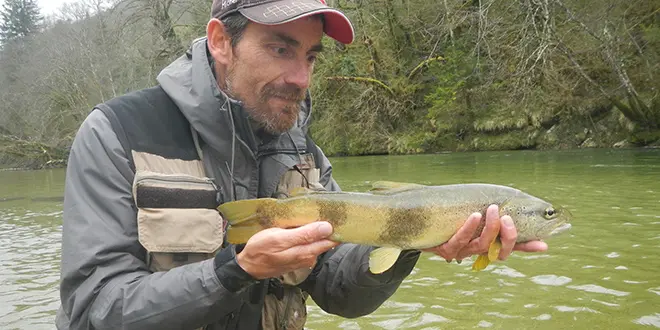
<point x="271" y="68"/>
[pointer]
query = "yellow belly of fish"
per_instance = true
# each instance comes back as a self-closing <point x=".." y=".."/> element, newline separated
<point x="367" y="226"/>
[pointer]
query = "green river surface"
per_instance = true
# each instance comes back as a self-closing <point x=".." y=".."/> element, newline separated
<point x="602" y="274"/>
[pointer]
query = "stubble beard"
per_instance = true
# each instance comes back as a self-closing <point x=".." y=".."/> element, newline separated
<point x="271" y="120"/>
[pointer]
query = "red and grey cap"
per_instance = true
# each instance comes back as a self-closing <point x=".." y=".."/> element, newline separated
<point x="273" y="12"/>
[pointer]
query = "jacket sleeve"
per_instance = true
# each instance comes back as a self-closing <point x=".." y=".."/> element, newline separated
<point x="341" y="282"/>
<point x="105" y="283"/>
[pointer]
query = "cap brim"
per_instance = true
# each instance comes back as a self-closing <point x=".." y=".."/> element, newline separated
<point x="337" y="25"/>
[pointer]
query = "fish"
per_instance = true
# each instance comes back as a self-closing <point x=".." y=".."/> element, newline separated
<point x="397" y="216"/>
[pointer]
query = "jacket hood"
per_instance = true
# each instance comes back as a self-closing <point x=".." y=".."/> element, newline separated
<point x="192" y="85"/>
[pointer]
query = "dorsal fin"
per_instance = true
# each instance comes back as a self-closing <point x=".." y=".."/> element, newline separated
<point x="298" y="191"/>
<point x="391" y="187"/>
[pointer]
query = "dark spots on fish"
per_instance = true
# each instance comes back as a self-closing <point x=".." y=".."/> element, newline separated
<point x="264" y="217"/>
<point x="405" y="225"/>
<point x="268" y="213"/>
<point x="335" y="212"/>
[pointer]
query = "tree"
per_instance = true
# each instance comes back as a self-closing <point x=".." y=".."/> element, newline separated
<point x="19" y="19"/>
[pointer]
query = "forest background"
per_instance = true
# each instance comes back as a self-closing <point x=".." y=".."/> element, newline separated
<point x="421" y="77"/>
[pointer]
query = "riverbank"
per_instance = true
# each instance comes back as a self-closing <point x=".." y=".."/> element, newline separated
<point x="17" y="153"/>
<point x="555" y="138"/>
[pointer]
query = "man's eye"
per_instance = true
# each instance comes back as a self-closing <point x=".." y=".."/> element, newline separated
<point x="312" y="59"/>
<point x="280" y="51"/>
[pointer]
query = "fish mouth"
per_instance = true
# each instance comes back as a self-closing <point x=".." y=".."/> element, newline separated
<point x="560" y="229"/>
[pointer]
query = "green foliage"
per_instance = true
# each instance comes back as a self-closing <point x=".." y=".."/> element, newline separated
<point x="512" y="75"/>
<point x="421" y="76"/>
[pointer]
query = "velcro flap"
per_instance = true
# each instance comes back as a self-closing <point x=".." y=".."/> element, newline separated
<point x="180" y="230"/>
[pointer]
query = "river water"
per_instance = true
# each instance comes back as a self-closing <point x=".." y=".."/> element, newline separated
<point x="603" y="274"/>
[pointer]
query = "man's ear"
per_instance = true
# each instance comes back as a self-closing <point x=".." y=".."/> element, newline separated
<point x="219" y="42"/>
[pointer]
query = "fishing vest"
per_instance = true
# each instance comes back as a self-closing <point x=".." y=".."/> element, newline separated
<point x="177" y="218"/>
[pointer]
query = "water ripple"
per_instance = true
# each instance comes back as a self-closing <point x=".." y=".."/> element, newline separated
<point x="605" y="303"/>
<point x="502" y="316"/>
<point x="390" y="324"/>
<point x="598" y="289"/>
<point x="28" y="281"/>
<point x="655" y="290"/>
<point x="576" y="309"/>
<point x="653" y="320"/>
<point x="349" y="325"/>
<point x="553" y="280"/>
<point x="543" y="317"/>
<point x="484" y="324"/>
<point x="507" y="271"/>
<point x="427" y="319"/>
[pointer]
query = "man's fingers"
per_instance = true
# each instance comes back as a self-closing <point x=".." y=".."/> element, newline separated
<point x="307" y="234"/>
<point x="481" y="244"/>
<point x="532" y="246"/>
<point x="491" y="229"/>
<point x="308" y="252"/>
<point x="460" y="246"/>
<point x="450" y="249"/>
<point x="508" y="236"/>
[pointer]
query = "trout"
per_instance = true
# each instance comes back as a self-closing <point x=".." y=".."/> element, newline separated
<point x="398" y="216"/>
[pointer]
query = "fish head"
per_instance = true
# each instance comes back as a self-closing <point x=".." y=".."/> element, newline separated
<point x="535" y="218"/>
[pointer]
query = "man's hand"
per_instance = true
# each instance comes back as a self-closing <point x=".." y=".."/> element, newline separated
<point x="461" y="245"/>
<point x="275" y="251"/>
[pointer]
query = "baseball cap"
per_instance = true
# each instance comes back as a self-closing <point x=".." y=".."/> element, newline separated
<point x="273" y="12"/>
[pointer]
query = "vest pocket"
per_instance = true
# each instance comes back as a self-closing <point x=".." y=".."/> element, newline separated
<point x="178" y="222"/>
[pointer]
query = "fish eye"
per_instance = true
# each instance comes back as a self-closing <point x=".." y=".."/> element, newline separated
<point x="550" y="212"/>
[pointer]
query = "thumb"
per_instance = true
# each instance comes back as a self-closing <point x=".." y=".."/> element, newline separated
<point x="309" y="233"/>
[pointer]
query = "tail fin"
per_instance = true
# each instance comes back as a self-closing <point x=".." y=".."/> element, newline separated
<point x="243" y="218"/>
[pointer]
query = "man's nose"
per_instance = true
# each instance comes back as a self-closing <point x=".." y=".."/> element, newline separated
<point x="299" y="74"/>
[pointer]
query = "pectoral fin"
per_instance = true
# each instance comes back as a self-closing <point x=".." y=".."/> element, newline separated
<point x="382" y="259"/>
<point x="494" y="249"/>
<point x="493" y="253"/>
<point x="481" y="263"/>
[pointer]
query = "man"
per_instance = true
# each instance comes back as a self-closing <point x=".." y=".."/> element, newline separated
<point x="142" y="240"/>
